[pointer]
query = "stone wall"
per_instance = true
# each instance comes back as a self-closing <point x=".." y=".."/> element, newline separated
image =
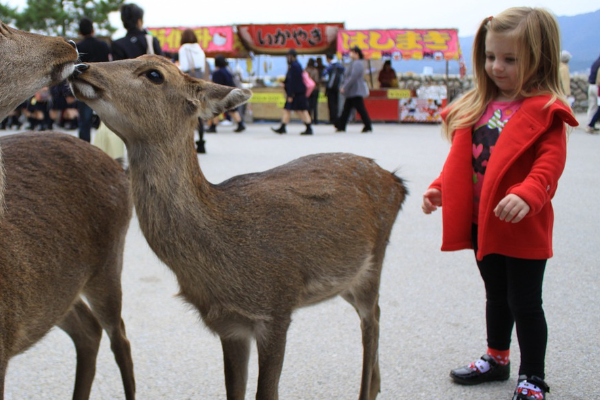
<point x="456" y="86"/>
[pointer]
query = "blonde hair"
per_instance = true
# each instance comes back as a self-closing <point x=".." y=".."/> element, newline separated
<point x="538" y="58"/>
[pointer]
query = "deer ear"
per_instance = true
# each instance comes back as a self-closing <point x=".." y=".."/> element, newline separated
<point x="216" y="99"/>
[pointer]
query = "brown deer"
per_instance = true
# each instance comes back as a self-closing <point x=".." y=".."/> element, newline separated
<point x="29" y="62"/>
<point x="251" y="250"/>
<point x="67" y="211"/>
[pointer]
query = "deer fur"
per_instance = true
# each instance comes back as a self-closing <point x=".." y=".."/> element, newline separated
<point x="251" y="250"/>
<point x="68" y="207"/>
<point x="29" y="62"/>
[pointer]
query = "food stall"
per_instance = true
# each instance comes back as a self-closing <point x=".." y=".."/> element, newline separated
<point x="277" y="39"/>
<point x="214" y="40"/>
<point x="421" y="105"/>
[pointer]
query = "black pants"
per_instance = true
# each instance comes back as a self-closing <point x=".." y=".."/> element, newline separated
<point x="313" y="106"/>
<point x="333" y="105"/>
<point x="359" y="105"/>
<point x="513" y="288"/>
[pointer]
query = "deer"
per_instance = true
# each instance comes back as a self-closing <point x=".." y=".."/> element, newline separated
<point x="67" y="208"/>
<point x="54" y="62"/>
<point x="249" y="251"/>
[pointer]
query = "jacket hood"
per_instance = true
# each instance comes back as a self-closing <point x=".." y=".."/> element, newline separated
<point x="194" y="48"/>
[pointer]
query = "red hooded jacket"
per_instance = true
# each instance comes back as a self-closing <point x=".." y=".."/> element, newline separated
<point x="527" y="161"/>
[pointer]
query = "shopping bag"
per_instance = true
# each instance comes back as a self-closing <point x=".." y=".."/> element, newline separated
<point x="308" y="82"/>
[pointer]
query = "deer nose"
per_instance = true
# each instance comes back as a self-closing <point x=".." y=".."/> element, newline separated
<point x="80" y="68"/>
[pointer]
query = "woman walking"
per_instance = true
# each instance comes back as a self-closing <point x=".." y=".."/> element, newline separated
<point x="355" y="89"/>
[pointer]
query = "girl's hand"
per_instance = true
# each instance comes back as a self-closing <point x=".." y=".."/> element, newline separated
<point x="432" y="199"/>
<point x="512" y="208"/>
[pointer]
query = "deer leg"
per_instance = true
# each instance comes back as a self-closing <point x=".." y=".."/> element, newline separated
<point x="86" y="333"/>
<point x="271" y="351"/>
<point x="104" y="295"/>
<point x="368" y="309"/>
<point x="236" y="353"/>
<point x="3" y="364"/>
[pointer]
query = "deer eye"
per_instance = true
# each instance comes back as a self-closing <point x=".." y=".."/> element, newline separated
<point x="155" y="76"/>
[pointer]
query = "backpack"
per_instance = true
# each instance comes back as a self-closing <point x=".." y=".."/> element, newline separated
<point x="308" y="82"/>
<point x="335" y="78"/>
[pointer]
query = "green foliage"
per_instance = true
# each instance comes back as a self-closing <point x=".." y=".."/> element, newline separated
<point x="61" y="17"/>
<point x="7" y="14"/>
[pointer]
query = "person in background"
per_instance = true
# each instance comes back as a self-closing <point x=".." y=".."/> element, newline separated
<point x="321" y="68"/>
<point x="137" y="41"/>
<point x="192" y="61"/>
<point x="334" y="74"/>
<point x="223" y="76"/>
<point x="563" y="70"/>
<point x="313" y="99"/>
<point x="509" y="148"/>
<point x="295" y="91"/>
<point x="38" y="111"/>
<point x="593" y="97"/>
<point x="355" y="90"/>
<point x="63" y="108"/>
<point x="90" y="49"/>
<point x="387" y="76"/>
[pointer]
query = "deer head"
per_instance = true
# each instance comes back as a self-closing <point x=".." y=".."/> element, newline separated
<point x="29" y="62"/>
<point x="145" y="83"/>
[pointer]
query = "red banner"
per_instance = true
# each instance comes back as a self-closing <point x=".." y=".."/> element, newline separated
<point x="214" y="40"/>
<point x="278" y="39"/>
<point x="405" y="44"/>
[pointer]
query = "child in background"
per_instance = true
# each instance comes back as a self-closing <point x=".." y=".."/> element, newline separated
<point x="508" y="151"/>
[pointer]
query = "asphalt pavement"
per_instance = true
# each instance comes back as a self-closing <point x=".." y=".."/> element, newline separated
<point x="432" y="303"/>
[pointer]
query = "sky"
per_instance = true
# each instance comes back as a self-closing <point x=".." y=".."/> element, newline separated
<point x="375" y="14"/>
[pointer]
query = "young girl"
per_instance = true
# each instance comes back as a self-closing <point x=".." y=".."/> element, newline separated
<point x="508" y="151"/>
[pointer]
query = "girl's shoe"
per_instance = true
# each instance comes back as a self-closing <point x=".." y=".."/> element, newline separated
<point x="483" y="370"/>
<point x="531" y="388"/>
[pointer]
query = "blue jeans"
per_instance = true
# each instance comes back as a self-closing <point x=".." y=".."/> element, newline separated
<point x="85" y="121"/>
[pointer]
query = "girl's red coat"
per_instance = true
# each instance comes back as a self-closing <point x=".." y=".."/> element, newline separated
<point x="527" y="161"/>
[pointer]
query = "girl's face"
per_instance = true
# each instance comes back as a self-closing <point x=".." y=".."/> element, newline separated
<point x="354" y="55"/>
<point x="501" y="63"/>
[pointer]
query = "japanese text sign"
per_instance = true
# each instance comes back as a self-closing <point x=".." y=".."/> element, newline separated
<point x="213" y="40"/>
<point x="406" y="44"/>
<point x="280" y="38"/>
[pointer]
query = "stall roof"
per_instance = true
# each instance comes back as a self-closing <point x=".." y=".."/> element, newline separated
<point x="214" y="40"/>
<point x="278" y="39"/>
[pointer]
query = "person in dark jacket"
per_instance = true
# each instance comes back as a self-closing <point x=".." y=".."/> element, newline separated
<point x="90" y="50"/>
<point x="222" y="76"/>
<point x="335" y="76"/>
<point x="295" y="91"/>
<point x="136" y="41"/>
<point x="593" y="97"/>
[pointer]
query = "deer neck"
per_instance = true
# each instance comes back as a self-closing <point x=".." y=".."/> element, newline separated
<point x="173" y="200"/>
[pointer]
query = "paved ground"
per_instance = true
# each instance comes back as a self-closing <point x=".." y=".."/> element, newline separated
<point x="432" y="303"/>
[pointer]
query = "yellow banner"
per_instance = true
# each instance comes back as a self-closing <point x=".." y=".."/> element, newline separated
<point x="398" y="94"/>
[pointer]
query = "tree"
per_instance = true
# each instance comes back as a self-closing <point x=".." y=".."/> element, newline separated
<point x="61" y="17"/>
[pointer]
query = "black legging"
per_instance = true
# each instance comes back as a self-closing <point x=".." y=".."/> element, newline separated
<point x="357" y="103"/>
<point x="513" y="289"/>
